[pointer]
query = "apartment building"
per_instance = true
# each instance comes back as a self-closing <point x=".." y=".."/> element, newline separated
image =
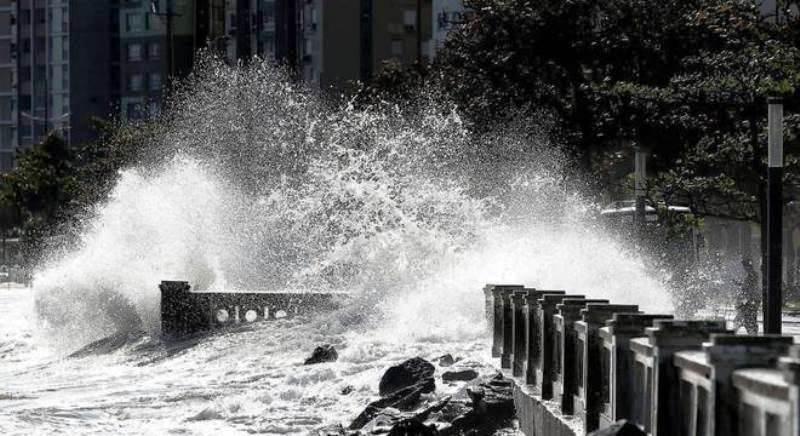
<point x="351" y="40"/>
<point x="251" y="29"/>
<point x="56" y="70"/>
<point x="159" y="40"/>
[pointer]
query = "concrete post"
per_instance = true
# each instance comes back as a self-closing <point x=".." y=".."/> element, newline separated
<point x="667" y="338"/>
<point x="533" y="333"/>
<point x="790" y="366"/>
<point x="498" y="316"/>
<point x="178" y="315"/>
<point x="545" y="366"/>
<point x="508" y="328"/>
<point x="519" y="345"/>
<point x="589" y="399"/>
<point x="488" y="300"/>
<point x="566" y="374"/>
<point x="618" y="389"/>
<point x="727" y="353"/>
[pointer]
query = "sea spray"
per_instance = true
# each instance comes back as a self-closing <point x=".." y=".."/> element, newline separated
<point x="250" y="181"/>
<point x="260" y="184"/>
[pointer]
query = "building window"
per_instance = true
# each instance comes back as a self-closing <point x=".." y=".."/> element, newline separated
<point x="397" y="47"/>
<point x="7" y="134"/>
<point x="6" y="108"/>
<point x="410" y="20"/>
<point x="24" y="77"/>
<point x="135" y="82"/>
<point x="155" y="82"/>
<point x="153" y="109"/>
<point x="7" y="160"/>
<point x="64" y="20"/>
<point x="134" y="52"/>
<point x="154" y="51"/>
<point x="134" y="111"/>
<point x="133" y="23"/>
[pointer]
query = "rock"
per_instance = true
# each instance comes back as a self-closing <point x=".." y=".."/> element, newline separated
<point x="347" y="390"/>
<point x="324" y="353"/>
<point x="412" y="427"/>
<point x="619" y="428"/>
<point x="460" y="375"/>
<point x="416" y="371"/>
<point x="403" y="399"/>
<point x="384" y="420"/>
<point x="390" y="417"/>
<point x="446" y="360"/>
<point x="492" y="407"/>
<point x="331" y="430"/>
<point x="494" y="397"/>
<point x="455" y="409"/>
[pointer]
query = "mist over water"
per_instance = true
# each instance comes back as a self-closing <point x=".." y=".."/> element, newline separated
<point x="251" y="182"/>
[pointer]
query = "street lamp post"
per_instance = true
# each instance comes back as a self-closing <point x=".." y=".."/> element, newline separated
<point x="774" y="220"/>
<point x="640" y="178"/>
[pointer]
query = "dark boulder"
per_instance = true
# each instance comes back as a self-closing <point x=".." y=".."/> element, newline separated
<point x="493" y="398"/>
<point x="412" y="372"/>
<point x="331" y="430"/>
<point x="460" y="375"/>
<point x="412" y="427"/>
<point x="324" y="353"/>
<point x="389" y="418"/>
<point x="347" y="390"/>
<point x="491" y="409"/>
<point x="446" y="360"/>
<point x="404" y="399"/>
<point x="619" y="428"/>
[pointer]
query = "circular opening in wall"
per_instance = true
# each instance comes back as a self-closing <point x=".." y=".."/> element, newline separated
<point x="251" y="315"/>
<point x="222" y="316"/>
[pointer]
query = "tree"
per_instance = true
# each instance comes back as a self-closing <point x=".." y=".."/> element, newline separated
<point x="54" y="184"/>
<point x="564" y="57"/>
<point x="41" y="187"/>
<point x="715" y="108"/>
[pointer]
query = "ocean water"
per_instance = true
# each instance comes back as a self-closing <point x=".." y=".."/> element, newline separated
<point x="254" y="183"/>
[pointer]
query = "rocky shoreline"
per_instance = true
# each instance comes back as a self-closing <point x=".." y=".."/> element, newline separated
<point x="479" y="400"/>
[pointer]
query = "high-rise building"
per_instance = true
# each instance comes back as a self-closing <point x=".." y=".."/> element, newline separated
<point x="401" y="32"/>
<point x="143" y="58"/>
<point x="288" y="32"/>
<point x="56" y="70"/>
<point x="8" y="79"/>
<point x="351" y="40"/>
<point x="251" y="29"/>
<point x="159" y="40"/>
